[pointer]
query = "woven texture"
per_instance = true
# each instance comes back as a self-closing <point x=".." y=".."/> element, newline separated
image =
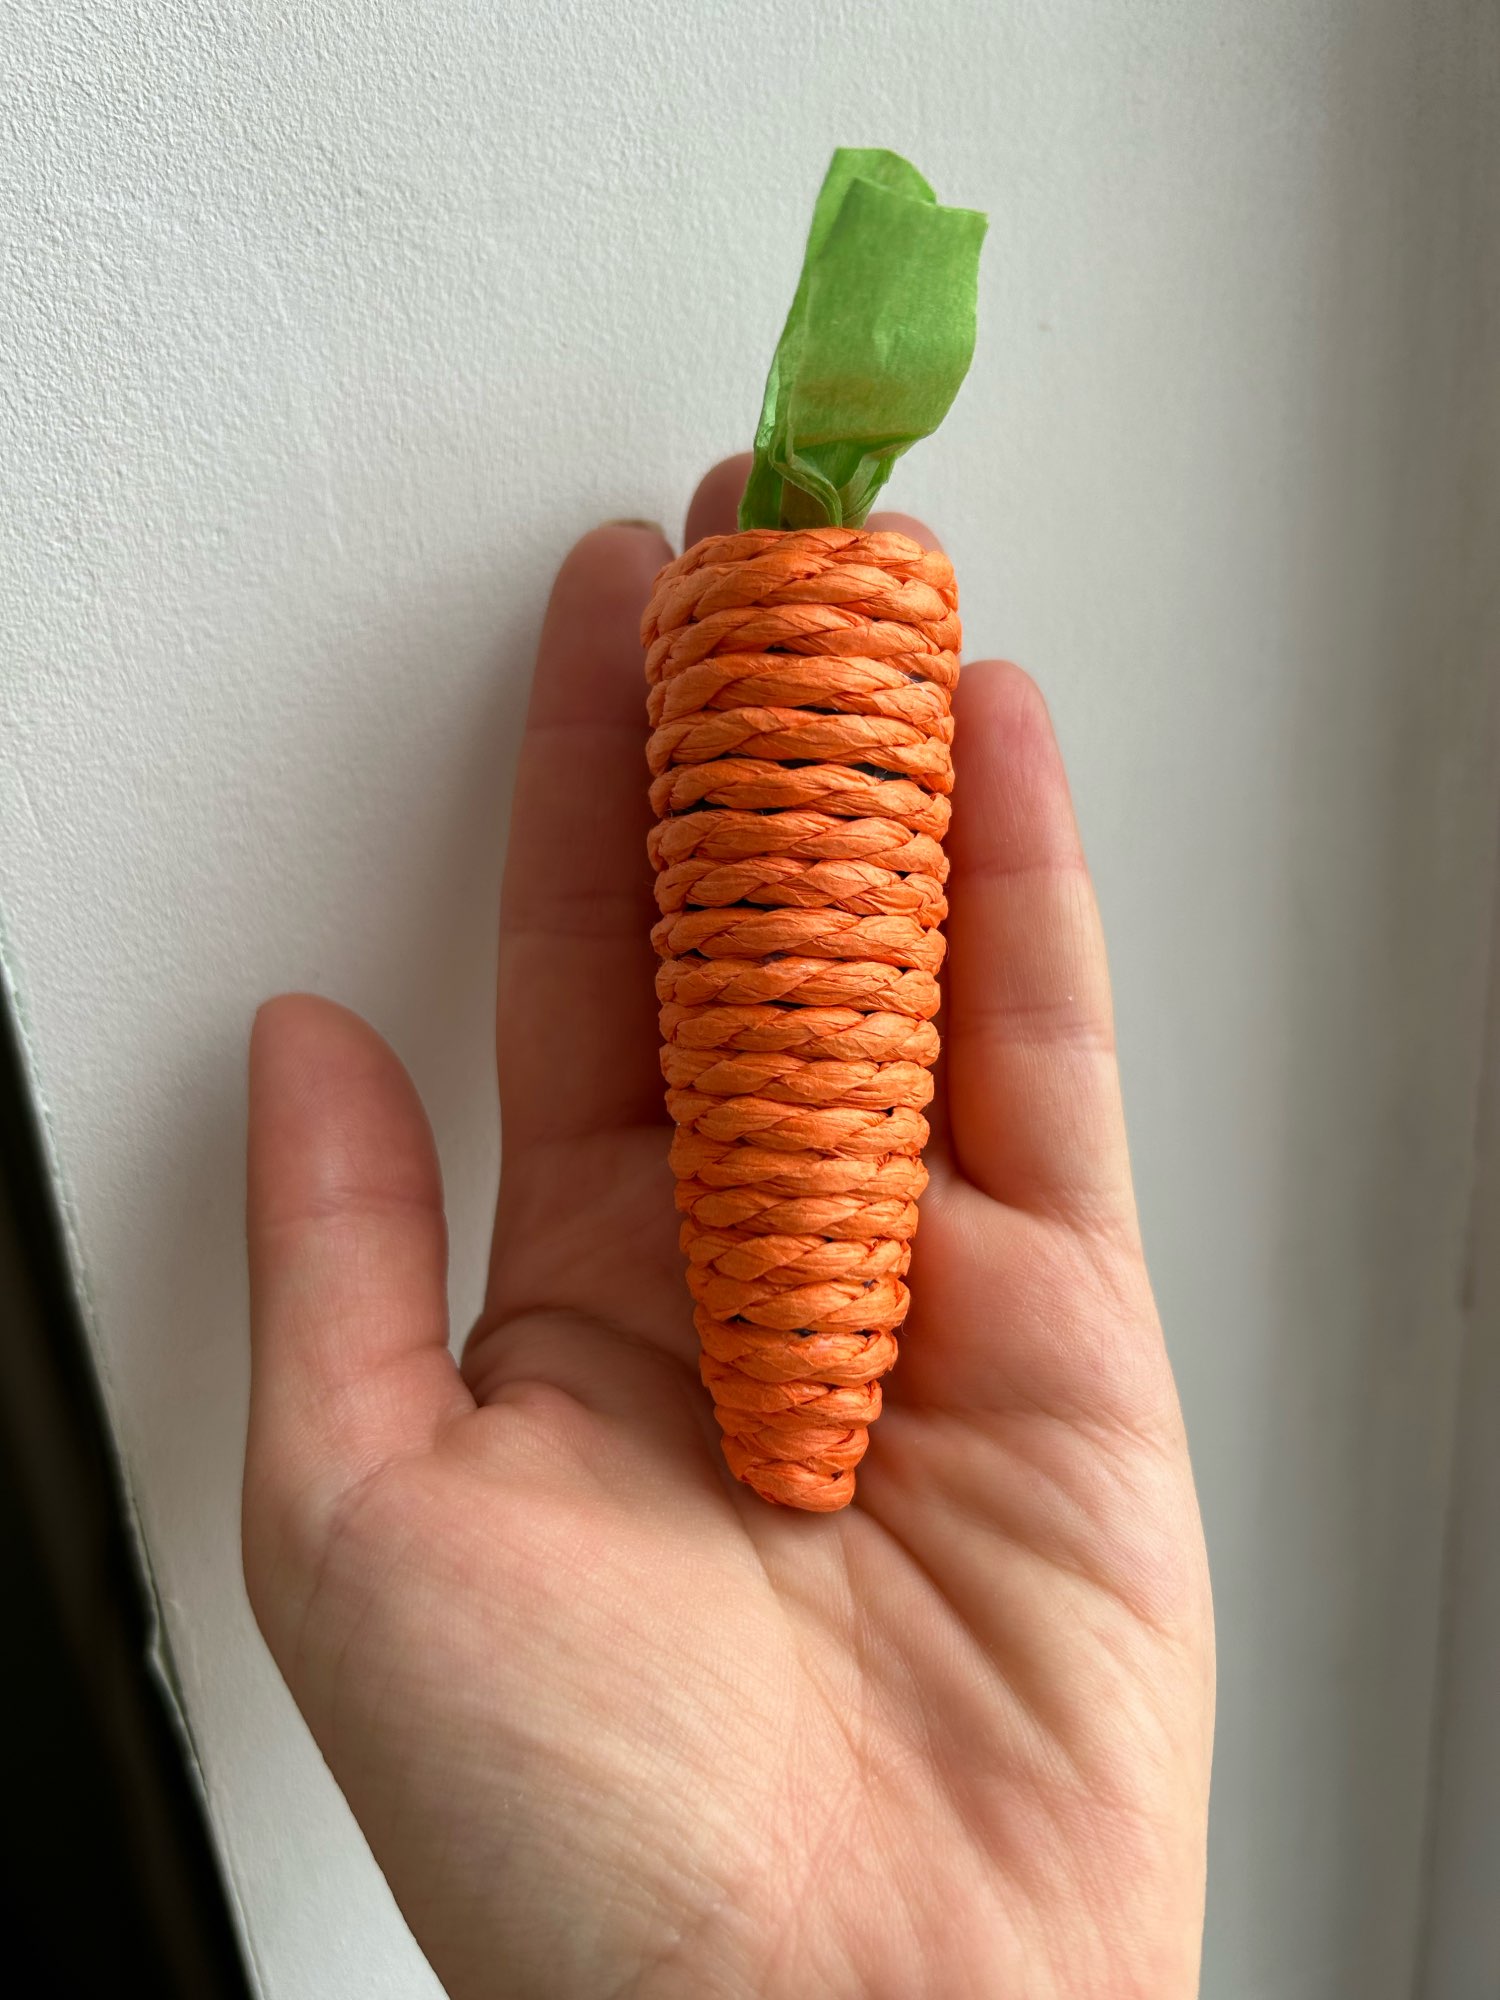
<point x="801" y="763"/>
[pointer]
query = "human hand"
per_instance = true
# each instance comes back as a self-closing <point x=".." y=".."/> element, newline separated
<point x="610" y="1723"/>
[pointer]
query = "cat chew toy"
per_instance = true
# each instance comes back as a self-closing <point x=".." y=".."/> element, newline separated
<point x="800" y="675"/>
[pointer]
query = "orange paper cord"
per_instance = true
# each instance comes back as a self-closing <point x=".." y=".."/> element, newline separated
<point x="801" y="761"/>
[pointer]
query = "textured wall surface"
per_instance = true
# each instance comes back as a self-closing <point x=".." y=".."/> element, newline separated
<point x="325" y="327"/>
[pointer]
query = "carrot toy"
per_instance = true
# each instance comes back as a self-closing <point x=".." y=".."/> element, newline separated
<point x="800" y="674"/>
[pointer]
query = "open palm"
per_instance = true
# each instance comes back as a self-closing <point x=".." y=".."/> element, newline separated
<point x="611" y="1724"/>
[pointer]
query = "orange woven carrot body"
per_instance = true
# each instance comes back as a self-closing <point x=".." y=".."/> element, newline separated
<point x="800" y="689"/>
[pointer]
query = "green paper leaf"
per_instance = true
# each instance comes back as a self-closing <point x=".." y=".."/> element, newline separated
<point x="878" y="340"/>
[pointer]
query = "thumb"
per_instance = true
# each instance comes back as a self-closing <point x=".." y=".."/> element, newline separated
<point x="348" y="1252"/>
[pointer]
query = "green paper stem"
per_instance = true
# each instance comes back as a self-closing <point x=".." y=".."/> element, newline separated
<point x="878" y="340"/>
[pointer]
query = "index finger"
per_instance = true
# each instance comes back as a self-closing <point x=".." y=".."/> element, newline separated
<point x="575" y="1013"/>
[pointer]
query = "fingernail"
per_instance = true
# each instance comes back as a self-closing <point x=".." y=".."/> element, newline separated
<point x="632" y="521"/>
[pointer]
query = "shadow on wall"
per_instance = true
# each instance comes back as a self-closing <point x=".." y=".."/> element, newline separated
<point x="1389" y="768"/>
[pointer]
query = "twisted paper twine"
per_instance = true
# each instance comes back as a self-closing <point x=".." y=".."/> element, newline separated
<point x="800" y="705"/>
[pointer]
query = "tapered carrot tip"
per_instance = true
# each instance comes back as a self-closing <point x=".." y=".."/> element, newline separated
<point x="800" y="688"/>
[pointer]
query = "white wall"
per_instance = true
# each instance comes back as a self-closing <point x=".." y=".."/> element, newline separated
<point x="324" y="328"/>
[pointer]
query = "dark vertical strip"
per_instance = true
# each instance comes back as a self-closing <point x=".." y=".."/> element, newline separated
<point x="108" y="1880"/>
